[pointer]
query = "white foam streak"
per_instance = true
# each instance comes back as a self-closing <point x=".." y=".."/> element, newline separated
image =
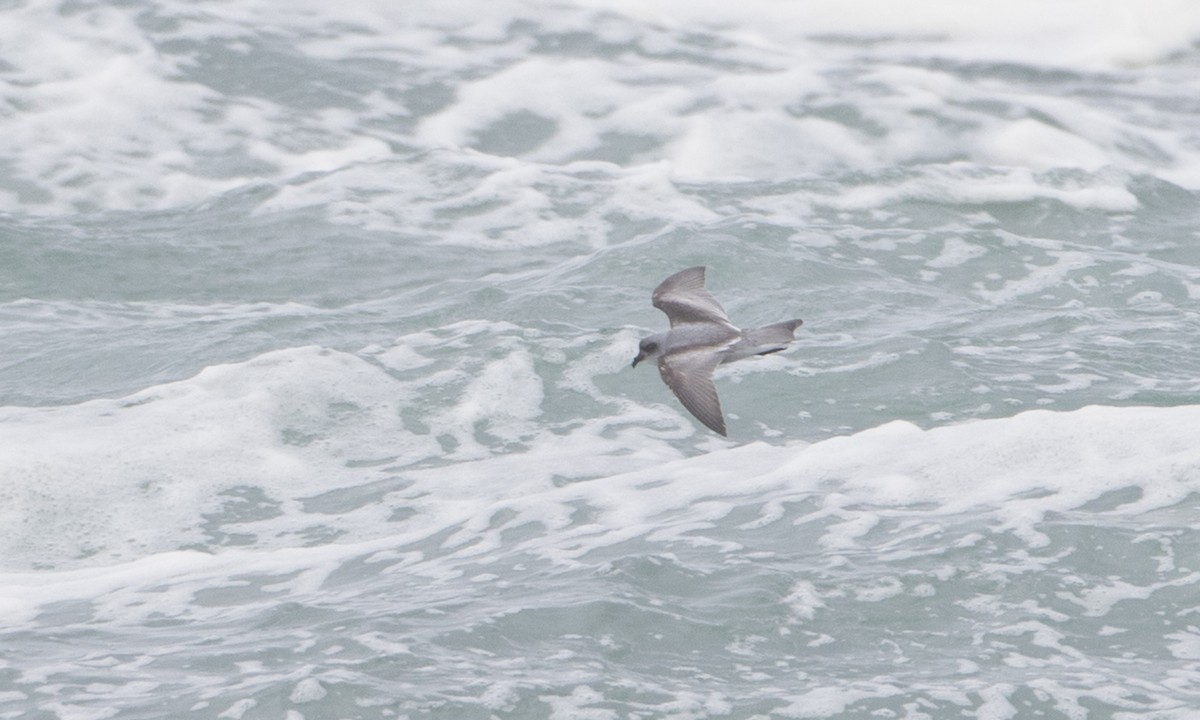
<point x="114" y="117"/>
<point x="1038" y="278"/>
<point x="497" y="203"/>
<point x="249" y="425"/>
<point x="83" y="480"/>
<point x="291" y="425"/>
<point x="1060" y="30"/>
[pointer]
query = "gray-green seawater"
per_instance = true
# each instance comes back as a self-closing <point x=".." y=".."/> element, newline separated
<point x="316" y="323"/>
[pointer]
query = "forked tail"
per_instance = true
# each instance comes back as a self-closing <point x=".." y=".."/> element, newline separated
<point x="763" y="341"/>
<point x="779" y="334"/>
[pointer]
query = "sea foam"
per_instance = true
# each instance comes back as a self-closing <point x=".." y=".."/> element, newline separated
<point x="249" y="453"/>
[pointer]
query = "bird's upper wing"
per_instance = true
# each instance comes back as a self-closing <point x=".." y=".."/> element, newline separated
<point x="683" y="298"/>
<point x="689" y="375"/>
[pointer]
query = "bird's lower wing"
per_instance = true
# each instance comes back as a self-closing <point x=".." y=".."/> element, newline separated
<point x="689" y="375"/>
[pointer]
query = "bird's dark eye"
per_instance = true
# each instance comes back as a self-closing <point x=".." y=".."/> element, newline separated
<point x="650" y="346"/>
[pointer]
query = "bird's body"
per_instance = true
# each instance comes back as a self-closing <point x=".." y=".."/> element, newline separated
<point x="701" y="338"/>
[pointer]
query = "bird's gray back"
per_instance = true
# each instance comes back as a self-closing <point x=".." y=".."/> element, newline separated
<point x="697" y="336"/>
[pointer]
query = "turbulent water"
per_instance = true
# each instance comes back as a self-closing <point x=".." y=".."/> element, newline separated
<point x="316" y="322"/>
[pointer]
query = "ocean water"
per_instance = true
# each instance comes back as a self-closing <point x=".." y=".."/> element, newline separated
<point x="315" y="331"/>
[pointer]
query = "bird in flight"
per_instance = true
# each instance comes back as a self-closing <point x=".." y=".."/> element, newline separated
<point x="701" y="338"/>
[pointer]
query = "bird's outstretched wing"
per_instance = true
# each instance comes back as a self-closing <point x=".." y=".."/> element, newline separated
<point x="689" y="374"/>
<point x="683" y="298"/>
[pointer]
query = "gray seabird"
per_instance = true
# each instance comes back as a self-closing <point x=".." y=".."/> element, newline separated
<point x="701" y="338"/>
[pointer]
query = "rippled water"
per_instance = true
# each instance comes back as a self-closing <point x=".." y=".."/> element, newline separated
<point x="315" y="397"/>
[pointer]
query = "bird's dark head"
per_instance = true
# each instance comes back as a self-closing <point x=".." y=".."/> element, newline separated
<point x="648" y="349"/>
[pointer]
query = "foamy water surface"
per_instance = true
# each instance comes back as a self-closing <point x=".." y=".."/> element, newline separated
<point x="315" y="397"/>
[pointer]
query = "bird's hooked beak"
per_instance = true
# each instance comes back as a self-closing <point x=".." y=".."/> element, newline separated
<point x="640" y="357"/>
